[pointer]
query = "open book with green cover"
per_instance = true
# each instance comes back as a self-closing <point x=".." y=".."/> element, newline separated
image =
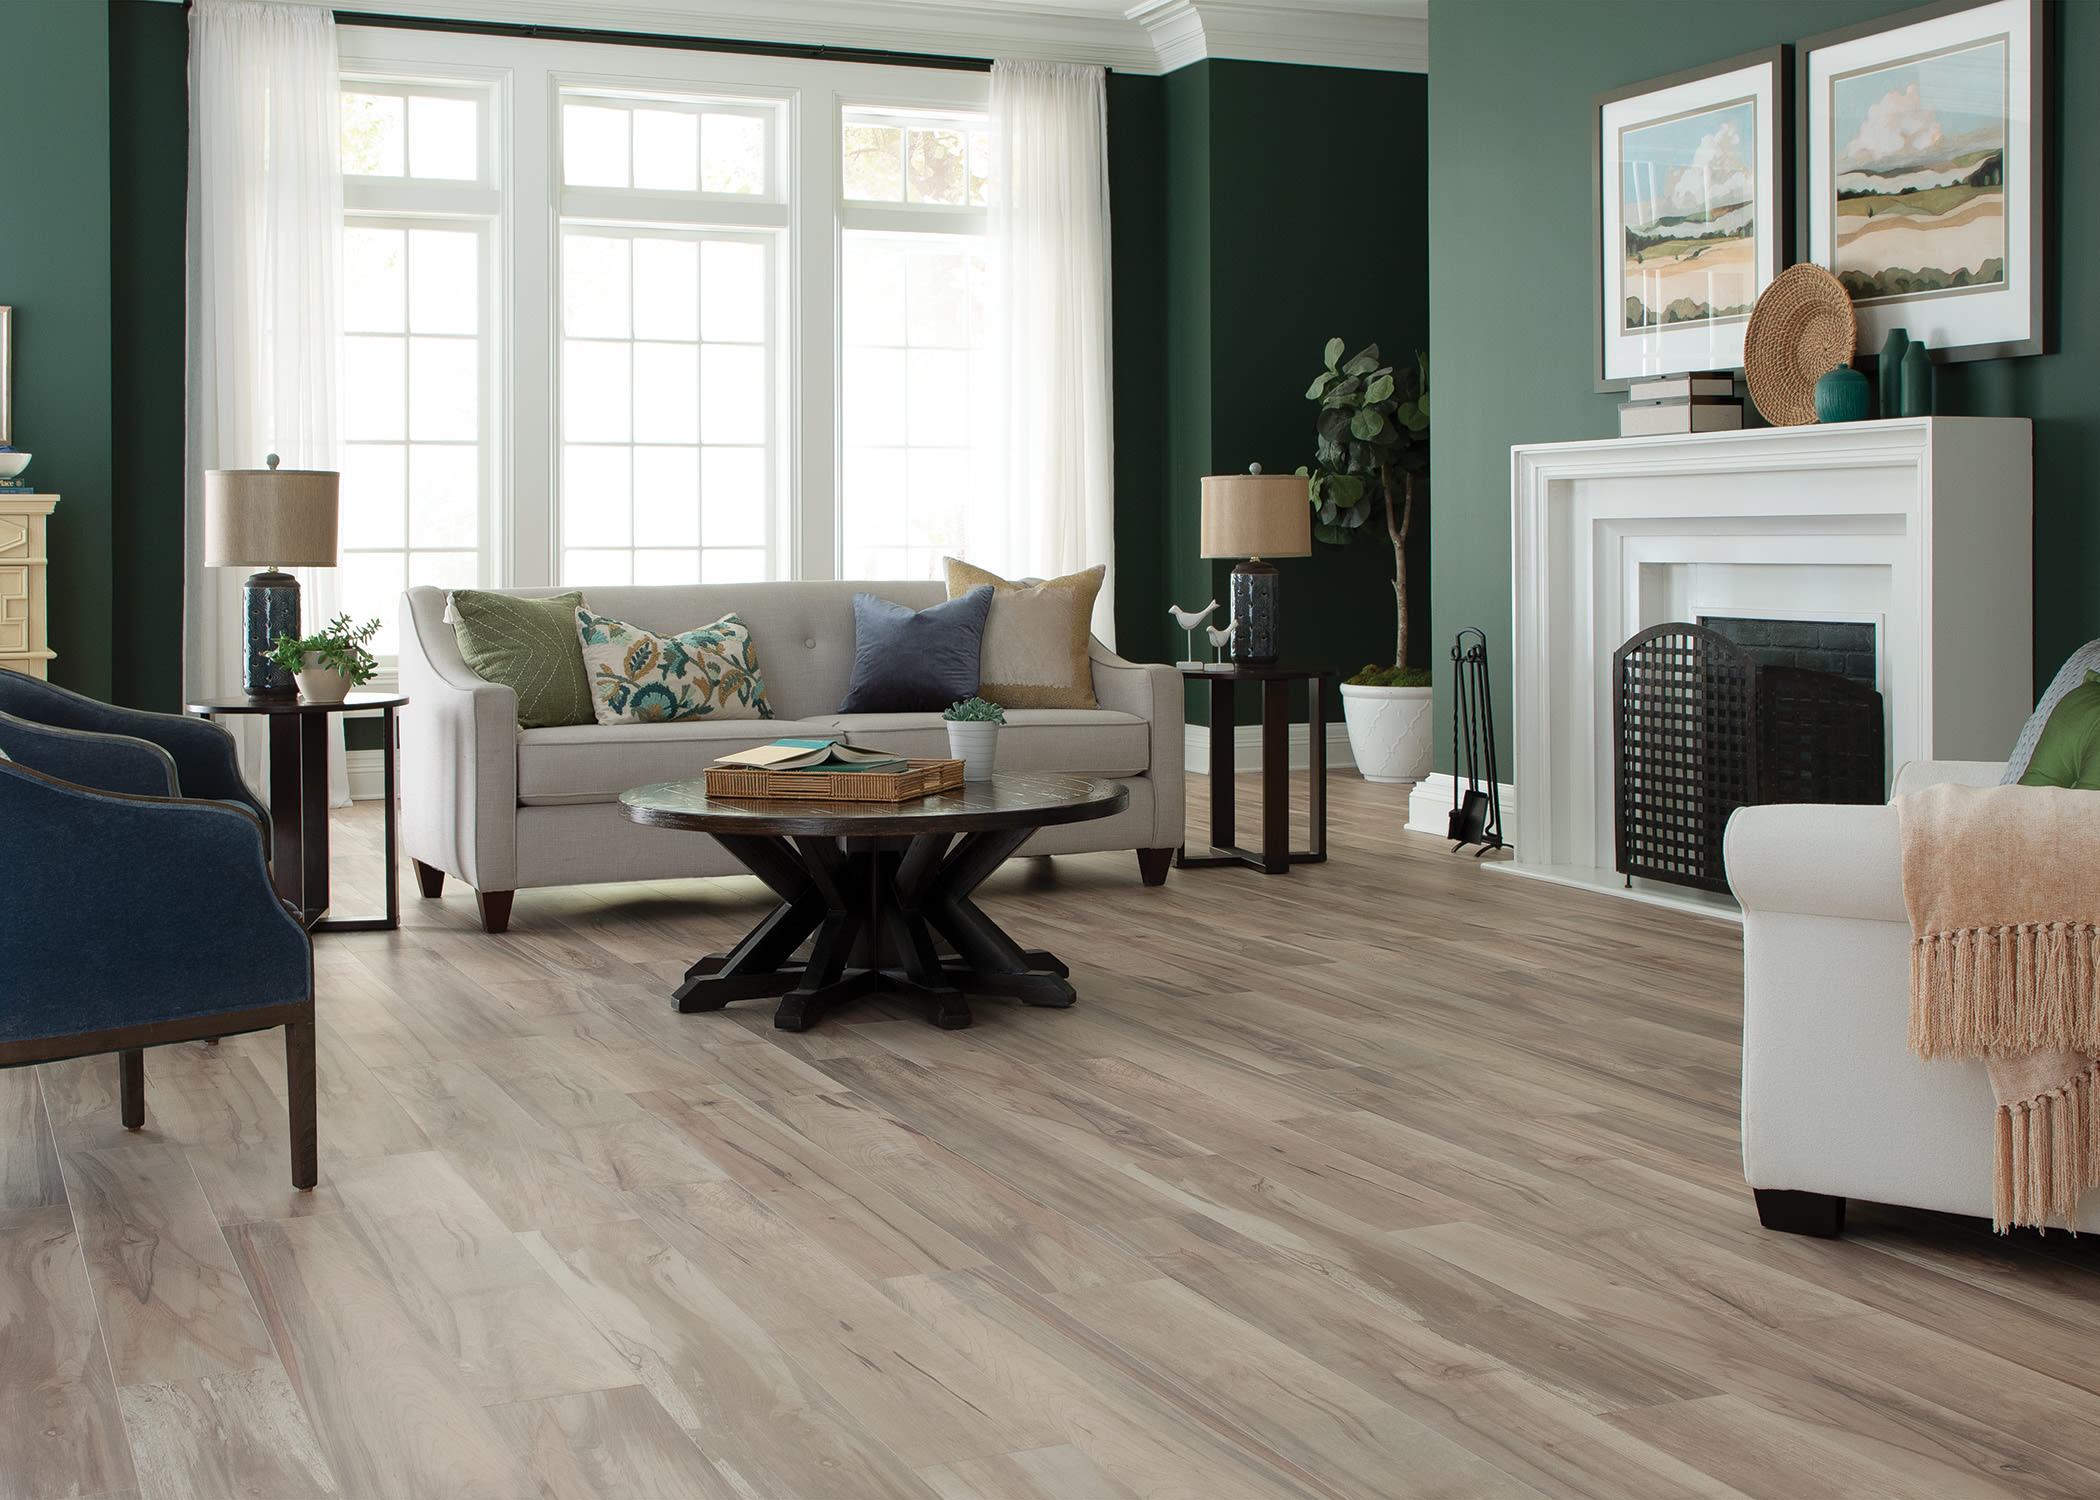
<point x="813" y="755"/>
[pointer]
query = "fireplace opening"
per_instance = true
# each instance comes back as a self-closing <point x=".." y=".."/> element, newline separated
<point x="1705" y="724"/>
<point x="1843" y="648"/>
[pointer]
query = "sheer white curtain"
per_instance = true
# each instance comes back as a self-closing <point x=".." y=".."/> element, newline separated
<point x="1049" y="237"/>
<point x="265" y="290"/>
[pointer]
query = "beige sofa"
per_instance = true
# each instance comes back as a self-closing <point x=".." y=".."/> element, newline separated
<point x="504" y="808"/>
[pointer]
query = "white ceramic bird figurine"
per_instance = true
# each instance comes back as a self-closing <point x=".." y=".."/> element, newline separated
<point x="1188" y="620"/>
<point x="1218" y="638"/>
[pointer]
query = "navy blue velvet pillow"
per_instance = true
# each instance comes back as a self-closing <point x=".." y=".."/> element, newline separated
<point x="915" y="660"/>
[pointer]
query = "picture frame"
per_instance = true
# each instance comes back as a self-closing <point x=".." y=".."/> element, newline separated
<point x="7" y="375"/>
<point x="1944" y="106"/>
<point x="1690" y="205"/>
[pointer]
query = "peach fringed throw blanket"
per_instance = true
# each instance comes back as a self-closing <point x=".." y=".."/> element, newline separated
<point x="2003" y="888"/>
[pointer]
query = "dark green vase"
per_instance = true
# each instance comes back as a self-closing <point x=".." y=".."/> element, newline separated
<point x="1841" y="396"/>
<point x="1891" y="373"/>
<point x="1917" y="380"/>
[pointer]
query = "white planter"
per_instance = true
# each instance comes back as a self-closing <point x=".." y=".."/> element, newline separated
<point x="321" y="684"/>
<point x="1388" y="731"/>
<point x="976" y="744"/>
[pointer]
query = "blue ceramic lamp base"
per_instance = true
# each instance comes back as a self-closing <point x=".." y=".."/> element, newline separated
<point x="1257" y="594"/>
<point x="269" y="609"/>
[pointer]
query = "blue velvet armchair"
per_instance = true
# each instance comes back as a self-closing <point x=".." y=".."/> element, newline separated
<point x="145" y="912"/>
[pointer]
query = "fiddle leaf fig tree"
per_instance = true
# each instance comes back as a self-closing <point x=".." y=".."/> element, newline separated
<point x="1372" y="456"/>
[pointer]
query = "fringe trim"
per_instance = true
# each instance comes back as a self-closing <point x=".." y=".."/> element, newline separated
<point x="2000" y="991"/>
<point x="2048" y="1153"/>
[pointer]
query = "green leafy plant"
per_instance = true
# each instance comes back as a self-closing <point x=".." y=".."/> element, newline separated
<point x="975" y="711"/>
<point x="1372" y="455"/>
<point x="1377" y="676"/>
<point x="338" y="644"/>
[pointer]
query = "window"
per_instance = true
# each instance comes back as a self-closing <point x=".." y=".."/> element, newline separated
<point x="415" y="358"/>
<point x="912" y="324"/>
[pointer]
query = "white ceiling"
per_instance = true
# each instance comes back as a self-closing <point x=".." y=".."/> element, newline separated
<point x="1136" y="36"/>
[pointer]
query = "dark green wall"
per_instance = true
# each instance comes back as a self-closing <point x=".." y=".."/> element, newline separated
<point x="1137" y="187"/>
<point x="1511" y="318"/>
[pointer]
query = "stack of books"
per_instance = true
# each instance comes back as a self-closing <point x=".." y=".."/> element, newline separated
<point x="1703" y="401"/>
<point x="813" y="755"/>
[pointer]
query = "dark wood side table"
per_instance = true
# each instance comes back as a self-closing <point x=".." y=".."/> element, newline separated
<point x="299" y="800"/>
<point x="1275" y="856"/>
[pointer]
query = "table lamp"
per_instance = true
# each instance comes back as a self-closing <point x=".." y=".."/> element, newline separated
<point x="1253" y="516"/>
<point x="269" y="519"/>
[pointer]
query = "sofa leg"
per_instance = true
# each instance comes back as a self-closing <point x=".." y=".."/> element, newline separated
<point x="131" y="1086"/>
<point x="1153" y="864"/>
<point x="495" y="909"/>
<point x="299" y="1090"/>
<point x="429" y="880"/>
<point x="1789" y="1212"/>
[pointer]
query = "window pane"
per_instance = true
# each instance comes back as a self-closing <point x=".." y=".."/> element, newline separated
<point x="444" y="281"/>
<point x="733" y="496"/>
<point x="444" y="390"/>
<point x="375" y="388"/>
<point x="732" y="154"/>
<point x="371" y="583"/>
<point x="939" y="300"/>
<point x="444" y="496"/>
<point x="666" y="393"/>
<point x="939" y="386"/>
<point x="980" y="167"/>
<point x="594" y="497"/>
<point x="443" y="570"/>
<point x="872" y="299"/>
<point x="875" y="515"/>
<point x="658" y="565"/>
<point x="936" y="167"/>
<point x="374" y="505"/>
<point x="373" y="134"/>
<point x="595" y="295"/>
<point x="733" y="292"/>
<point x="667" y="497"/>
<point x="733" y="565"/>
<point x="666" y="150"/>
<point x="732" y="394"/>
<point x="874" y="397"/>
<point x="594" y="146"/>
<point x="603" y="568"/>
<point x="444" y="138"/>
<point x="874" y="163"/>
<point x="938" y="489"/>
<point x="667" y="289"/>
<point x="375" y="280"/>
<point x="594" y="392"/>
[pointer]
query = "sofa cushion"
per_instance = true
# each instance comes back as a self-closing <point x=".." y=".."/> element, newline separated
<point x="640" y="677"/>
<point x="1086" y="741"/>
<point x="907" y="660"/>
<point x="594" y="763"/>
<point x="2068" y="753"/>
<point x="529" y="646"/>
<point x="1035" y="640"/>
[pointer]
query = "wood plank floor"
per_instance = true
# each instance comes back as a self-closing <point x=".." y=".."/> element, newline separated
<point x="1397" y="1177"/>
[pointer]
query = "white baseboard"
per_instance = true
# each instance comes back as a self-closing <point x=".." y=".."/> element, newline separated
<point x="367" y="775"/>
<point x="1246" y="747"/>
<point x="1429" y="805"/>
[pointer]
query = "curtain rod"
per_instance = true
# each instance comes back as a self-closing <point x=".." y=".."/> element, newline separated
<point x="815" y="52"/>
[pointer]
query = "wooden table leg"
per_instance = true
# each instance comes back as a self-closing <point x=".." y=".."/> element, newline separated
<point x="1276" y="776"/>
<point x="1316" y="714"/>
<point x="991" y="961"/>
<point x="1224" y="717"/>
<point x="386" y="778"/>
<point x="287" y="856"/>
<point x="314" y="731"/>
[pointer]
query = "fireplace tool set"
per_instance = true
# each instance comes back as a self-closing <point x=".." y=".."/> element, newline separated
<point x="1476" y="809"/>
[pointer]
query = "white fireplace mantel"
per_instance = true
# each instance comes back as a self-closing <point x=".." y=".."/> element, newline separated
<point x="1920" y="525"/>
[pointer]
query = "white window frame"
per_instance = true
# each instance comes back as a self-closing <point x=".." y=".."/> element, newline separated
<point x="526" y="76"/>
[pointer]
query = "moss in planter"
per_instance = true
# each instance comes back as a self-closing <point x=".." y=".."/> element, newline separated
<point x="1373" y="676"/>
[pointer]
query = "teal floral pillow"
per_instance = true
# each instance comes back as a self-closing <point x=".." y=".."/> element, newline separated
<point x="637" y="677"/>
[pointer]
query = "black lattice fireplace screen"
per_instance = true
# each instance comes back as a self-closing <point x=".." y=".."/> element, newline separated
<point x="1703" y="729"/>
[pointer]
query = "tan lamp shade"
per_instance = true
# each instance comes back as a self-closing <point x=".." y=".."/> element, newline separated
<point x="256" y="518"/>
<point x="1257" y="515"/>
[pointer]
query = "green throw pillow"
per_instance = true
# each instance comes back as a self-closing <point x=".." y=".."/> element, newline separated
<point x="2068" y="753"/>
<point x="528" y="645"/>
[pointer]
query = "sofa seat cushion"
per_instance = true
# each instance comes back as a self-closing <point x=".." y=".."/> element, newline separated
<point x="597" y="762"/>
<point x="1090" y="741"/>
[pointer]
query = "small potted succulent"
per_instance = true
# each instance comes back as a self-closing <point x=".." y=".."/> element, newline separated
<point x="973" y="736"/>
<point x="331" y="661"/>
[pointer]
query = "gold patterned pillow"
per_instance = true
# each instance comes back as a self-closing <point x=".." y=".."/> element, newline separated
<point x="639" y="677"/>
<point x="1037" y="640"/>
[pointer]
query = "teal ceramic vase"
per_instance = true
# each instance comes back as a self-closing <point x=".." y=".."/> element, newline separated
<point x="1890" y="381"/>
<point x="1841" y="396"/>
<point x="1917" y="380"/>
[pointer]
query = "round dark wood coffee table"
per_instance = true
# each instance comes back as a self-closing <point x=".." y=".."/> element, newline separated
<point x="874" y="881"/>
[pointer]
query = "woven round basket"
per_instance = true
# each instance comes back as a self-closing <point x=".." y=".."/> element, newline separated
<point x="1801" y="328"/>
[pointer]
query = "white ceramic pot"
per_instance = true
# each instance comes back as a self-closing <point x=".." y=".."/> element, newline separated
<point x="1388" y="731"/>
<point x="975" y="742"/>
<point x="319" y="684"/>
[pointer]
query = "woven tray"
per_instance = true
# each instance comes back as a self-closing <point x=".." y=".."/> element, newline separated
<point x="920" y="778"/>
<point x="1801" y="329"/>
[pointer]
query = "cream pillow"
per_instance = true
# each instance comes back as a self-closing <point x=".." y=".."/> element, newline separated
<point x="1036" y="642"/>
<point x="638" y="677"/>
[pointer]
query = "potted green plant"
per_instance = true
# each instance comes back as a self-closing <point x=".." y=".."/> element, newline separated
<point x="1372" y="459"/>
<point x="973" y="736"/>
<point x="330" y="662"/>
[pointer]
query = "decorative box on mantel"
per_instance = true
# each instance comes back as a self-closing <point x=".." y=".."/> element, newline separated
<point x="24" y="646"/>
<point x="1920" y="526"/>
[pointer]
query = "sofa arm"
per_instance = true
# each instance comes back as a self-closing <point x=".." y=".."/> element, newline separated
<point x="1916" y="775"/>
<point x="1154" y="693"/>
<point x="1817" y="859"/>
<point x="459" y="754"/>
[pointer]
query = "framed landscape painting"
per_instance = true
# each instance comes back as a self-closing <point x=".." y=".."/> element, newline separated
<point x="1690" y="211"/>
<point x="1923" y="179"/>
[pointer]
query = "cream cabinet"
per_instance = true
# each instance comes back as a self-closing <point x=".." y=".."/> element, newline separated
<point x="24" y="644"/>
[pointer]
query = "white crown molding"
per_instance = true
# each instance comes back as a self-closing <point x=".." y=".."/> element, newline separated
<point x="1155" y="36"/>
